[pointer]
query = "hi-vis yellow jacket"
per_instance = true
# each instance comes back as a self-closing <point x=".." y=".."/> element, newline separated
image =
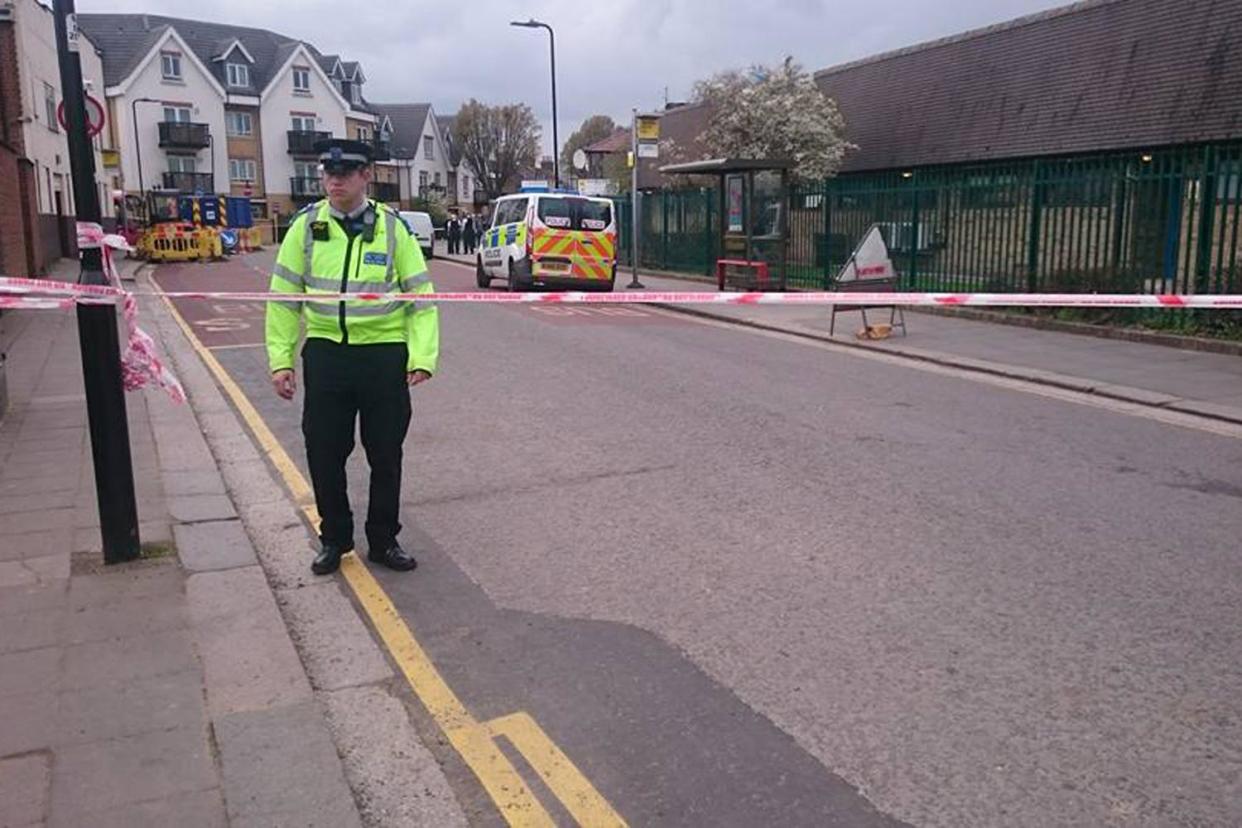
<point x="391" y="262"/>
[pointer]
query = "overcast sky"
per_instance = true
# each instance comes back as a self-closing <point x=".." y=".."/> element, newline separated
<point x="611" y="56"/>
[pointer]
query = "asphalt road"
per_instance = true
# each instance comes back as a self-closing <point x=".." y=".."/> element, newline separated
<point x="742" y="580"/>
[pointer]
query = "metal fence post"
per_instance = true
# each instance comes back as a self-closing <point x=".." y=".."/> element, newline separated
<point x="1207" y="219"/>
<point x="914" y="235"/>
<point x="1033" y="229"/>
<point x="827" y="204"/>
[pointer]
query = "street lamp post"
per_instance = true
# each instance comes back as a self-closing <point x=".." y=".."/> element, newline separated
<point x="556" y="159"/>
<point x="99" y="341"/>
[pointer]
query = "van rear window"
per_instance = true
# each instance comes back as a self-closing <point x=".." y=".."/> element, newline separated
<point x="575" y="213"/>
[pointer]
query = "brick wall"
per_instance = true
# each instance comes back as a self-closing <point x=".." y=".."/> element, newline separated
<point x="17" y="225"/>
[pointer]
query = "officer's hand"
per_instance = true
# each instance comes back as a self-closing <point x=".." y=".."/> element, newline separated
<point x="285" y="382"/>
<point x="413" y="378"/>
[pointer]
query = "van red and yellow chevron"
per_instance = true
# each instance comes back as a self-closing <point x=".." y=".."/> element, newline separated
<point x="590" y="255"/>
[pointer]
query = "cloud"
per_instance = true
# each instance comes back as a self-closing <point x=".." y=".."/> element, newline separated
<point x="611" y="56"/>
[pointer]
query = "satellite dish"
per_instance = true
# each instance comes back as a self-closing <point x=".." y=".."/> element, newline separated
<point x="580" y="160"/>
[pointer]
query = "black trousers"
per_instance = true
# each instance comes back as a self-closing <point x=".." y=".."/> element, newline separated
<point x="344" y="382"/>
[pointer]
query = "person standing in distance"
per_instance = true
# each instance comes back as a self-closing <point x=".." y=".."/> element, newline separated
<point x="361" y="357"/>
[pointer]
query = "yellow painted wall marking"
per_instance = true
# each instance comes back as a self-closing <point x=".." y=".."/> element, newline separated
<point x="472" y="740"/>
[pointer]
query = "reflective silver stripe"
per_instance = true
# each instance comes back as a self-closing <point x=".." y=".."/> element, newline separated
<point x="390" y="228"/>
<point x="415" y="307"/>
<point x="288" y="275"/>
<point x="333" y="285"/>
<point x="413" y="281"/>
<point x="296" y="307"/>
<point x="331" y="308"/>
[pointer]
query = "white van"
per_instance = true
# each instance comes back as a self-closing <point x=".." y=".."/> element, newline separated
<point x="420" y="223"/>
<point x="549" y="239"/>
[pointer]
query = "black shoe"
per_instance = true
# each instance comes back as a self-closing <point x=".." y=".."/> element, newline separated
<point x="394" y="558"/>
<point x="329" y="558"/>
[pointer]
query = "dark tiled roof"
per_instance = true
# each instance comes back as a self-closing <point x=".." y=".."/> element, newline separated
<point x="408" y="121"/>
<point x="446" y="132"/>
<point x="619" y="141"/>
<point x="125" y="39"/>
<point x="1098" y="75"/>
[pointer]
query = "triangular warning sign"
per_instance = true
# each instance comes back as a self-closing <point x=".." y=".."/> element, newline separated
<point x="870" y="260"/>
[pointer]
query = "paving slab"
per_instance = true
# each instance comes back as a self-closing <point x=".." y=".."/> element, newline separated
<point x="248" y="659"/>
<point x="283" y="762"/>
<point x="213" y="545"/>
<point x="96" y="776"/>
<point x="24" y="784"/>
<point x="157" y="703"/>
<point x="336" y="646"/>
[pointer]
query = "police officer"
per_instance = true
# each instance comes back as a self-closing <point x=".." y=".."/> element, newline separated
<point x="360" y="357"/>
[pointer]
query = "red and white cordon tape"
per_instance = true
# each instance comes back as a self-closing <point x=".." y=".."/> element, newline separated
<point x="62" y="294"/>
<point x="140" y="361"/>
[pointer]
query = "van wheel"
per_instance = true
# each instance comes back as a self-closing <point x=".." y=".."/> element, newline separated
<point x="480" y="275"/>
<point x="514" y="287"/>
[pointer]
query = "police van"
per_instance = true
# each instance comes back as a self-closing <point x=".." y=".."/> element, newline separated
<point x="549" y="239"/>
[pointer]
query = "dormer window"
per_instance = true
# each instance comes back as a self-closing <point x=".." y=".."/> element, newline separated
<point x="355" y="94"/>
<point x="238" y="75"/>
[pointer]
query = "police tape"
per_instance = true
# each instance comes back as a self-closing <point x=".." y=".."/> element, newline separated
<point x="61" y="294"/>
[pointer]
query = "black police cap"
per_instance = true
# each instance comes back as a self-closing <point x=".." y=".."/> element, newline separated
<point x="343" y="151"/>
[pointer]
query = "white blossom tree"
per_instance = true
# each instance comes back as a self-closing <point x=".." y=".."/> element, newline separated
<point x="773" y="112"/>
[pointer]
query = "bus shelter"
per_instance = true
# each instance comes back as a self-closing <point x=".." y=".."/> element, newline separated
<point x="753" y="230"/>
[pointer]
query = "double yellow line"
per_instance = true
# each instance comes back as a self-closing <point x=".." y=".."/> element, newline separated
<point x="475" y="741"/>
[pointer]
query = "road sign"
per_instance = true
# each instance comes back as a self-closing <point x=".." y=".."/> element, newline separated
<point x="94" y="116"/>
<point x="580" y="159"/>
<point x="648" y="150"/>
<point x="648" y="128"/>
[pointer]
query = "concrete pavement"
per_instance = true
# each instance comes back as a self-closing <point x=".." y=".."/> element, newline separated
<point x="168" y="690"/>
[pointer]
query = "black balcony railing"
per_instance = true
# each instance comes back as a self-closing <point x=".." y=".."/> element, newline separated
<point x="302" y="142"/>
<point x="382" y="151"/>
<point x="189" y="182"/>
<point x="183" y="135"/>
<point x="385" y="191"/>
<point x="303" y="188"/>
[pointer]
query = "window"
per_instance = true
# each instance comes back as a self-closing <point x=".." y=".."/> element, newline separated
<point x="437" y="179"/>
<point x="301" y="79"/>
<point x="177" y="114"/>
<point x="182" y="163"/>
<point x="303" y="123"/>
<point x="429" y="147"/>
<point x="364" y="134"/>
<point x="170" y="63"/>
<point x="355" y="94"/>
<point x="242" y="169"/>
<point x="306" y="169"/>
<point x="239" y="74"/>
<point x="510" y="212"/>
<point x="574" y="213"/>
<point x="49" y="106"/>
<point x="422" y="180"/>
<point x="238" y="123"/>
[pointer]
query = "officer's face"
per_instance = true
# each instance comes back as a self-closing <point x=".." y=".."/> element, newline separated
<point x="345" y="188"/>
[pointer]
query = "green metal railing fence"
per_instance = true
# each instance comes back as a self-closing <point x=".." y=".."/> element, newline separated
<point x="1162" y="221"/>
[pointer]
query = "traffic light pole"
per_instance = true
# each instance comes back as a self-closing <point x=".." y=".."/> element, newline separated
<point x="97" y="328"/>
